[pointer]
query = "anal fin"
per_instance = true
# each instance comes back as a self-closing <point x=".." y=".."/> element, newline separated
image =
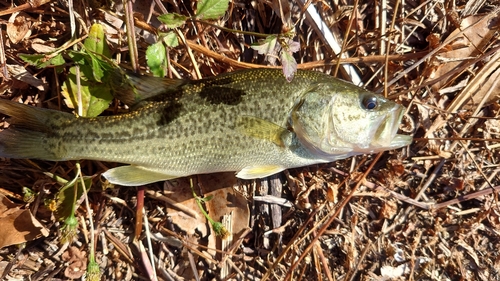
<point x="256" y="172"/>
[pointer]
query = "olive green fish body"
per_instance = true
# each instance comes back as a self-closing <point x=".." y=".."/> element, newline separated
<point x="253" y="121"/>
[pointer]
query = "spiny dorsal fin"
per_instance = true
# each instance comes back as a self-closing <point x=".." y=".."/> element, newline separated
<point x="131" y="89"/>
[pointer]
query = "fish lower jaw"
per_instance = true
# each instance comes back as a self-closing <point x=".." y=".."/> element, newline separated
<point x="397" y="141"/>
<point x="400" y="141"/>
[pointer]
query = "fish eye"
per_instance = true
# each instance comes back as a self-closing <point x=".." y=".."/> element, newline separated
<point x="369" y="102"/>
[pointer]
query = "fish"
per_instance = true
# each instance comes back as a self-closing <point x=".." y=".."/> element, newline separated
<point x="253" y="122"/>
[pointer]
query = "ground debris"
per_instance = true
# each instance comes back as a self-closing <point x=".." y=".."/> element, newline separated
<point x="426" y="212"/>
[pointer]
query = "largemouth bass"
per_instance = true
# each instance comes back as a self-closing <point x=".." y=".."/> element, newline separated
<point x="253" y="122"/>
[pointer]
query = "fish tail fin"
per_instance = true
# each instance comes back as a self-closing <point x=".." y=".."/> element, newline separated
<point x="22" y="144"/>
<point x="28" y="129"/>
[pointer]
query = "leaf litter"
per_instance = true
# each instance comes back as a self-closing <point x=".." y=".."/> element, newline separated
<point x="422" y="213"/>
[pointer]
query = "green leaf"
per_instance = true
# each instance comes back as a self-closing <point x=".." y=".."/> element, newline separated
<point x="97" y="70"/>
<point x="172" y="20"/>
<point x="57" y="60"/>
<point x="100" y="97"/>
<point x="80" y="58"/>
<point x="96" y="41"/>
<point x="66" y="195"/>
<point x="95" y="96"/>
<point x="100" y="67"/>
<point x="170" y="39"/>
<point x="266" y="46"/>
<point x="211" y="9"/>
<point x="97" y="74"/>
<point x="42" y="61"/>
<point x="156" y="57"/>
<point x="94" y="66"/>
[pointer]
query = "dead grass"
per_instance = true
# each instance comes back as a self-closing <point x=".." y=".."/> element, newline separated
<point x="426" y="212"/>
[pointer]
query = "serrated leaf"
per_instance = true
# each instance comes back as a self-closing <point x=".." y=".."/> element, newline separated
<point x="78" y="57"/>
<point x="91" y="64"/>
<point x="95" y="96"/>
<point x="100" y="67"/>
<point x="266" y="46"/>
<point x="33" y="59"/>
<point x="96" y="41"/>
<point x="156" y="57"/>
<point x="172" y="20"/>
<point x="171" y="39"/>
<point x="42" y="61"/>
<point x="289" y="65"/>
<point x="211" y="9"/>
<point x="58" y="60"/>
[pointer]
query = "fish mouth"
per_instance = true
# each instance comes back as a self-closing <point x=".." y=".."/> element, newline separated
<point x="386" y="135"/>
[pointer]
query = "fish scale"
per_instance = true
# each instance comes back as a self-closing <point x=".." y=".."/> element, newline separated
<point x="254" y="122"/>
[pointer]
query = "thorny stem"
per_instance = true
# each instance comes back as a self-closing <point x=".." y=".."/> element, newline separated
<point x="139" y="213"/>
<point x="256" y="34"/>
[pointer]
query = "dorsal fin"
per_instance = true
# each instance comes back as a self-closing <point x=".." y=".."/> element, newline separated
<point x="131" y="89"/>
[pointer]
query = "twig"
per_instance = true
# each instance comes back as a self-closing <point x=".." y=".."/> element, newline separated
<point x="306" y="65"/>
<point x="132" y="43"/>
<point x="3" y="61"/>
<point x="350" y="275"/>
<point x="433" y="52"/>
<point x="139" y="212"/>
<point x="387" y="51"/>
<point x="291" y="244"/>
<point x="383" y="23"/>
<point x="332" y="217"/>
<point x="190" y="53"/>
<point x="150" y="245"/>
<point x="179" y="206"/>
<point x="26" y="6"/>
<point x="89" y="214"/>
<point x="327" y="36"/>
<point x="324" y="262"/>
<point x="467" y="197"/>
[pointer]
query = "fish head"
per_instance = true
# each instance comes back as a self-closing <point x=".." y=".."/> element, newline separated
<point x="334" y="121"/>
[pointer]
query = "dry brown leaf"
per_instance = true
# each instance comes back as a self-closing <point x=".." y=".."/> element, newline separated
<point x="488" y="91"/>
<point x="42" y="46"/>
<point x="19" y="27"/>
<point x="17" y="225"/>
<point x="77" y="262"/>
<point x="389" y="209"/>
<point x="225" y="200"/>
<point x="22" y="75"/>
<point x="477" y="32"/>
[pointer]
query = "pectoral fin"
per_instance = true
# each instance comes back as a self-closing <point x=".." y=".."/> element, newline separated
<point x="134" y="176"/>
<point x="255" y="172"/>
<point x="260" y="128"/>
